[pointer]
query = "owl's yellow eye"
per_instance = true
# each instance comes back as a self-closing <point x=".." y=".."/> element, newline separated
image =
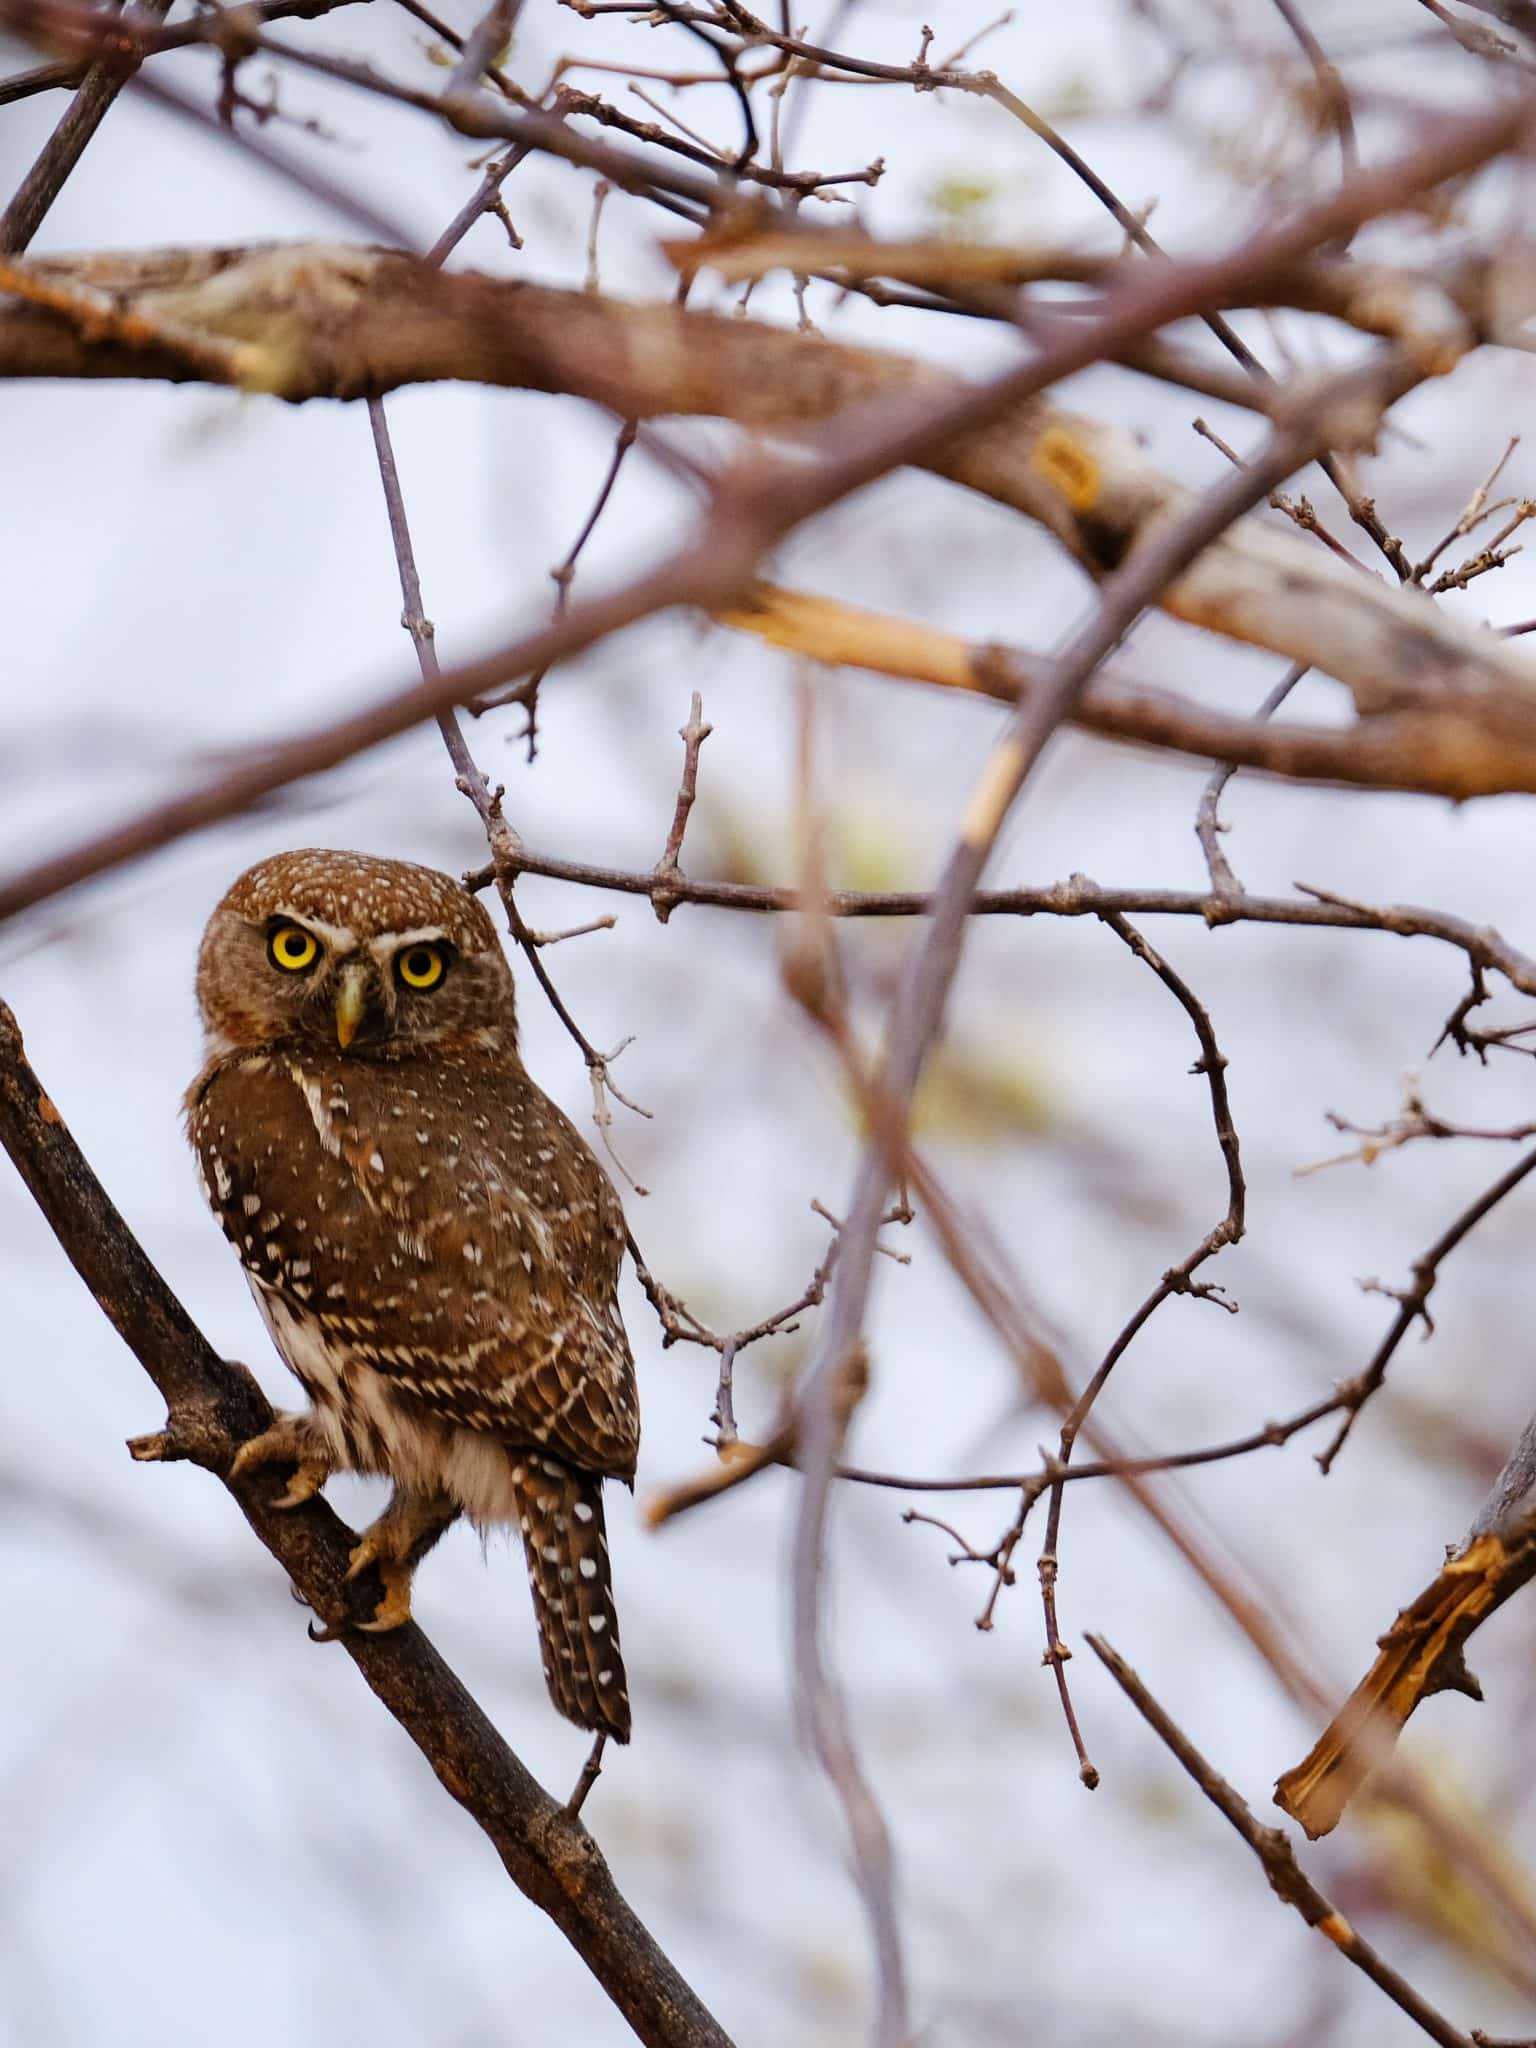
<point x="421" y="966"/>
<point x="293" y="949"/>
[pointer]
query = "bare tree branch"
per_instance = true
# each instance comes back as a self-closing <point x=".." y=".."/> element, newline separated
<point x="311" y="321"/>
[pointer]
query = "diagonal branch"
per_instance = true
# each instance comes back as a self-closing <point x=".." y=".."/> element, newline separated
<point x="916" y="1016"/>
<point x="64" y="148"/>
<point x="1287" y="1879"/>
<point x="212" y="1407"/>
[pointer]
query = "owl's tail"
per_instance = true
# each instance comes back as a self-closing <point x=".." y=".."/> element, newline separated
<point x="561" y="1515"/>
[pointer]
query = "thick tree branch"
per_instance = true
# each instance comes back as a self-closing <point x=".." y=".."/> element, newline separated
<point x="212" y="1407"/>
<point x="322" y="320"/>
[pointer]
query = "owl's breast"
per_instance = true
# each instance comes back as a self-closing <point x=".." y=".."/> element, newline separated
<point x="278" y="1153"/>
<point x="433" y="1250"/>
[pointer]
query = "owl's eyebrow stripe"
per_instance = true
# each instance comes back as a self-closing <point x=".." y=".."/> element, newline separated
<point x="390" y="943"/>
<point x="339" y="938"/>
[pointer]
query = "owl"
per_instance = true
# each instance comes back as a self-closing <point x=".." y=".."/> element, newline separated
<point x="432" y="1246"/>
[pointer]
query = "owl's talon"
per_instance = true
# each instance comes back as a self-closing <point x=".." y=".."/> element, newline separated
<point x="304" y="1485"/>
<point x="251" y="1455"/>
<point x="291" y="1440"/>
<point x="394" y="1610"/>
<point x="363" y="1553"/>
<point x="324" y="1634"/>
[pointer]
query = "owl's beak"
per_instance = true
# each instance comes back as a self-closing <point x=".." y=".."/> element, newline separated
<point x="351" y="1002"/>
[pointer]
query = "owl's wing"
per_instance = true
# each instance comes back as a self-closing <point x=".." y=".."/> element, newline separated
<point x="447" y="1229"/>
<point x="535" y="1239"/>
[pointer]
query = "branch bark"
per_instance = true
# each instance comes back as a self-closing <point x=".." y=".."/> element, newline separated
<point x="213" y="1406"/>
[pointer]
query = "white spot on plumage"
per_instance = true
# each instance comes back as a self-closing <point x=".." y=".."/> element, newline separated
<point x="320" y="1117"/>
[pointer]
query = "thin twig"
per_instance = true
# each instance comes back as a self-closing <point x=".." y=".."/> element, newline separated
<point x="1413" y="1301"/>
<point x="693" y="735"/>
<point x="1208" y="825"/>
<point x="472" y="783"/>
<point x="1178" y="1279"/>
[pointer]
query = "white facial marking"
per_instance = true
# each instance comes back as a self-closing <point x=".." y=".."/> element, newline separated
<point x="388" y="944"/>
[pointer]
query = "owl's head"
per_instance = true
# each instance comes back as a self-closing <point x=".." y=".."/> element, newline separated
<point x="378" y="958"/>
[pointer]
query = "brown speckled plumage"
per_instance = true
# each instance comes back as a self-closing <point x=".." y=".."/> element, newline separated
<point x="434" y="1248"/>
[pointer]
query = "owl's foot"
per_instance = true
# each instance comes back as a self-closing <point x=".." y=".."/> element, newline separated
<point x="396" y="1543"/>
<point x="292" y="1440"/>
<point x="394" y="1610"/>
